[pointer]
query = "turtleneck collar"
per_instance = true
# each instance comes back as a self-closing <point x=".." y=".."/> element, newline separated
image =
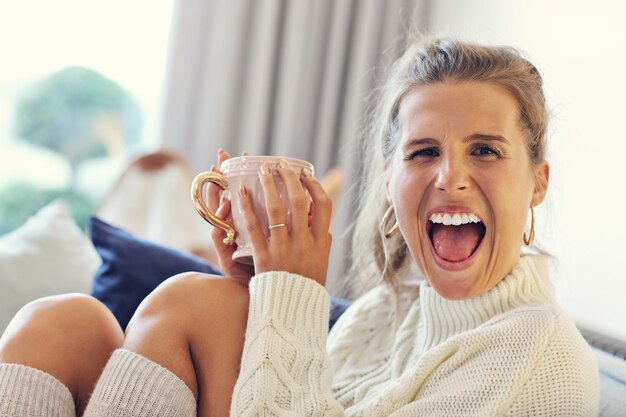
<point x="441" y="319"/>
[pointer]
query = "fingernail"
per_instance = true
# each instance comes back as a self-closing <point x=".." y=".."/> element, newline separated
<point x="243" y="192"/>
<point x="265" y="169"/>
<point x="306" y="172"/>
<point x="283" y="163"/>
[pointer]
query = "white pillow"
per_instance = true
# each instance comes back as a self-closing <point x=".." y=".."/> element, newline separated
<point x="47" y="255"/>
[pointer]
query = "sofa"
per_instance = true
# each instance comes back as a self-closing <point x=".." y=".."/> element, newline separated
<point x="50" y="255"/>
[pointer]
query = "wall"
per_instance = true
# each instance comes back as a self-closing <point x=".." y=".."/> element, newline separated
<point x="580" y="50"/>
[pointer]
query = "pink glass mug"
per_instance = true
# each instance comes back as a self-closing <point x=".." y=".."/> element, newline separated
<point x="237" y="171"/>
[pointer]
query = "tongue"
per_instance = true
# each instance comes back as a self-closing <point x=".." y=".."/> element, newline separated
<point x="456" y="243"/>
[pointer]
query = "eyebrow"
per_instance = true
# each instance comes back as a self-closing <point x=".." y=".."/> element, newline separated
<point x="473" y="137"/>
<point x="481" y="136"/>
<point x="422" y="141"/>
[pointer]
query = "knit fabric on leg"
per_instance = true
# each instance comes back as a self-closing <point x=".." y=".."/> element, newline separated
<point x="30" y="392"/>
<point x="134" y="386"/>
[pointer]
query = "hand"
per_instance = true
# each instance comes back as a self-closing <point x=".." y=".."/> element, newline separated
<point x="220" y="205"/>
<point x="304" y="249"/>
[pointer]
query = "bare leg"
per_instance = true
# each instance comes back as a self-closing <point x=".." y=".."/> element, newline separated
<point x="69" y="336"/>
<point x="194" y="325"/>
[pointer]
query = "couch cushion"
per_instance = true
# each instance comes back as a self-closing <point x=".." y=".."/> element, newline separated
<point x="132" y="267"/>
<point x="47" y="255"/>
<point x="612" y="384"/>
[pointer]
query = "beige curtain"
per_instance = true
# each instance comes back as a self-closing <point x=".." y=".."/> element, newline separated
<point x="282" y="77"/>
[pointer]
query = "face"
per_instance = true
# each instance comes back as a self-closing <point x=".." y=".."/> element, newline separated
<point x="461" y="183"/>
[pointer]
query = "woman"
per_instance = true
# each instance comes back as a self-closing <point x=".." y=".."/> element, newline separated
<point x="458" y="160"/>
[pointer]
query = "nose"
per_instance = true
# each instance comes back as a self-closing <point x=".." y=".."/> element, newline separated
<point x="452" y="175"/>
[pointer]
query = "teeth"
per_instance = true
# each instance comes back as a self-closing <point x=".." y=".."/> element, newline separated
<point x="454" y="219"/>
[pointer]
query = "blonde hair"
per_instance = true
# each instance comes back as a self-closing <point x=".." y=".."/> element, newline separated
<point x="376" y="258"/>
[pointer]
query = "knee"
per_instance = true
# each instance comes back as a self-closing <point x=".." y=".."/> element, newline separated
<point x="62" y="323"/>
<point x="189" y="300"/>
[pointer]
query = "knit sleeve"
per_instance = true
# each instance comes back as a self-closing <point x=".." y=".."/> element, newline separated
<point x="285" y="369"/>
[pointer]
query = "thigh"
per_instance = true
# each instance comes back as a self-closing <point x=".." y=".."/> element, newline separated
<point x="194" y="325"/>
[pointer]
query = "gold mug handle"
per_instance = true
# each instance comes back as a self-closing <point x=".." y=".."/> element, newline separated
<point x="201" y="207"/>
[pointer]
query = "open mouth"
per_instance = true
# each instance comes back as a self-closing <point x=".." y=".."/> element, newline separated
<point x="455" y="237"/>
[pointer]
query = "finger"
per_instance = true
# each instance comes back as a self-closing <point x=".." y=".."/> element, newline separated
<point x="245" y="153"/>
<point x="222" y="156"/>
<point x="224" y="251"/>
<point x="298" y="200"/>
<point x="253" y="225"/>
<point x="213" y="193"/>
<point x="224" y="209"/>
<point x="322" y="206"/>
<point x="274" y="206"/>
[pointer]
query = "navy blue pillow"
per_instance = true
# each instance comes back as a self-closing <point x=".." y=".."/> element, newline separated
<point x="133" y="267"/>
<point x="337" y="307"/>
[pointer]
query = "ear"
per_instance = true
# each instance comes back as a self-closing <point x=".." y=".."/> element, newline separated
<point x="542" y="177"/>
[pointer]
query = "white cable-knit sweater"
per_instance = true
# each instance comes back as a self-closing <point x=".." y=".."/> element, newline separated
<point x="509" y="352"/>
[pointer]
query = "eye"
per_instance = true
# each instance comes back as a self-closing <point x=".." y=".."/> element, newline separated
<point x="422" y="153"/>
<point x="486" y="150"/>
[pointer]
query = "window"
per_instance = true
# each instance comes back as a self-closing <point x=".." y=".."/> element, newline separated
<point x="80" y="89"/>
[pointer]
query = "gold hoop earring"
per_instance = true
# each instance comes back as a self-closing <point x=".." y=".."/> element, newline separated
<point x="528" y="240"/>
<point x="385" y="220"/>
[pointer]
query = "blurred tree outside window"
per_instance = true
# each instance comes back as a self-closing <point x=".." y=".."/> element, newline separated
<point x="76" y="98"/>
<point x="79" y="114"/>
